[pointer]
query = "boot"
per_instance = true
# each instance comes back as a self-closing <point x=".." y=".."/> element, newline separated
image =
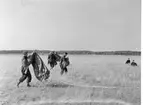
<point x="18" y="84"/>
<point x="28" y="85"/>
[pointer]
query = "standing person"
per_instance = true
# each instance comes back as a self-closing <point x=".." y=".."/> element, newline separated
<point x="26" y="61"/>
<point x="64" y="63"/>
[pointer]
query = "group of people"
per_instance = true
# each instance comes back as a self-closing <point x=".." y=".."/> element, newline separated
<point x="53" y="58"/>
<point x="133" y="63"/>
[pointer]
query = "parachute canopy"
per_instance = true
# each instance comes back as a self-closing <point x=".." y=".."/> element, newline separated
<point x="40" y="70"/>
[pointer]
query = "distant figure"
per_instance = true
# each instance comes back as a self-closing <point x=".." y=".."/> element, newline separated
<point x="64" y="63"/>
<point x="26" y="61"/>
<point x="128" y="61"/>
<point x="133" y="63"/>
<point x="52" y="59"/>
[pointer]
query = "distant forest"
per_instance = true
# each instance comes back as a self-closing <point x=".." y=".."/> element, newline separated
<point x="137" y="53"/>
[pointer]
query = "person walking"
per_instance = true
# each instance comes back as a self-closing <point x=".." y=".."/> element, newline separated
<point x="26" y="61"/>
<point x="64" y="62"/>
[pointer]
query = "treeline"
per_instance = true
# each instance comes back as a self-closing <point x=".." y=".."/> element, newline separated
<point x="84" y="52"/>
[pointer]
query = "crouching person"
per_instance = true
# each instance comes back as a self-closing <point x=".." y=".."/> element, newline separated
<point x="26" y="61"/>
<point x="133" y="63"/>
<point x="128" y="61"/>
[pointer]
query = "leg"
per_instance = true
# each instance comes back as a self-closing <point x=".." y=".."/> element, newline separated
<point x="52" y="65"/>
<point x="21" y="79"/>
<point x="29" y="78"/>
<point x="66" y="70"/>
<point x="62" y="71"/>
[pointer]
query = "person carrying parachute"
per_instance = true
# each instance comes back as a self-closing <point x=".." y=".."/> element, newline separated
<point x="40" y="70"/>
<point x="53" y="57"/>
<point x="26" y="61"/>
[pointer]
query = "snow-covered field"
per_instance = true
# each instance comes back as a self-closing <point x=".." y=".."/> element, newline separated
<point x="91" y="80"/>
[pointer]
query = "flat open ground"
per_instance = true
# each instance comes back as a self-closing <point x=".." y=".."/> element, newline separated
<point x="91" y="80"/>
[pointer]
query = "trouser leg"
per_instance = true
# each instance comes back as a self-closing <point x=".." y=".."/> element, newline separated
<point x="62" y="71"/>
<point x="66" y="70"/>
<point x="55" y="63"/>
<point x="22" y="79"/>
<point x="29" y="78"/>
<point x="24" y="76"/>
<point x="51" y="64"/>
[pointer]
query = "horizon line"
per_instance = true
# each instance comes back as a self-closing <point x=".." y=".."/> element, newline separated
<point x="68" y="50"/>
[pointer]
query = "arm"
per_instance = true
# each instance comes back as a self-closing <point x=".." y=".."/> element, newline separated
<point x="61" y="60"/>
<point x="31" y="56"/>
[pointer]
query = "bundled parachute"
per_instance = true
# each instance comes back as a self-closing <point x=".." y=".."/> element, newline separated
<point x="53" y="59"/>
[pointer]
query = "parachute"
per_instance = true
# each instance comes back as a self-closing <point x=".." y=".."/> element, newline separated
<point x="40" y="70"/>
<point x="53" y="59"/>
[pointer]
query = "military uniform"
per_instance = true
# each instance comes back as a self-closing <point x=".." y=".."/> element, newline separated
<point x="25" y="71"/>
<point x="63" y="65"/>
<point x="52" y="60"/>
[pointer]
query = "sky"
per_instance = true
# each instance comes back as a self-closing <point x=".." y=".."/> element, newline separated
<point x="96" y="25"/>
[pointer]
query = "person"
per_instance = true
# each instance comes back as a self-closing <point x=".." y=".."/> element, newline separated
<point x="26" y="61"/>
<point x="134" y="63"/>
<point x="128" y="61"/>
<point x="64" y="63"/>
<point x="52" y="59"/>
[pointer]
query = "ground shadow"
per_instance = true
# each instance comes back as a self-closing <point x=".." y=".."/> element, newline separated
<point x="53" y="84"/>
<point x="57" y="85"/>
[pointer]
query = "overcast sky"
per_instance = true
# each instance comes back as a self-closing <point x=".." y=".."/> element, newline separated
<point x="96" y="25"/>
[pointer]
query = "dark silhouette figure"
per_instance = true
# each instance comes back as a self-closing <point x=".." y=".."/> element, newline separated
<point x="133" y="63"/>
<point x="128" y="61"/>
<point x="64" y="63"/>
<point x="52" y="59"/>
